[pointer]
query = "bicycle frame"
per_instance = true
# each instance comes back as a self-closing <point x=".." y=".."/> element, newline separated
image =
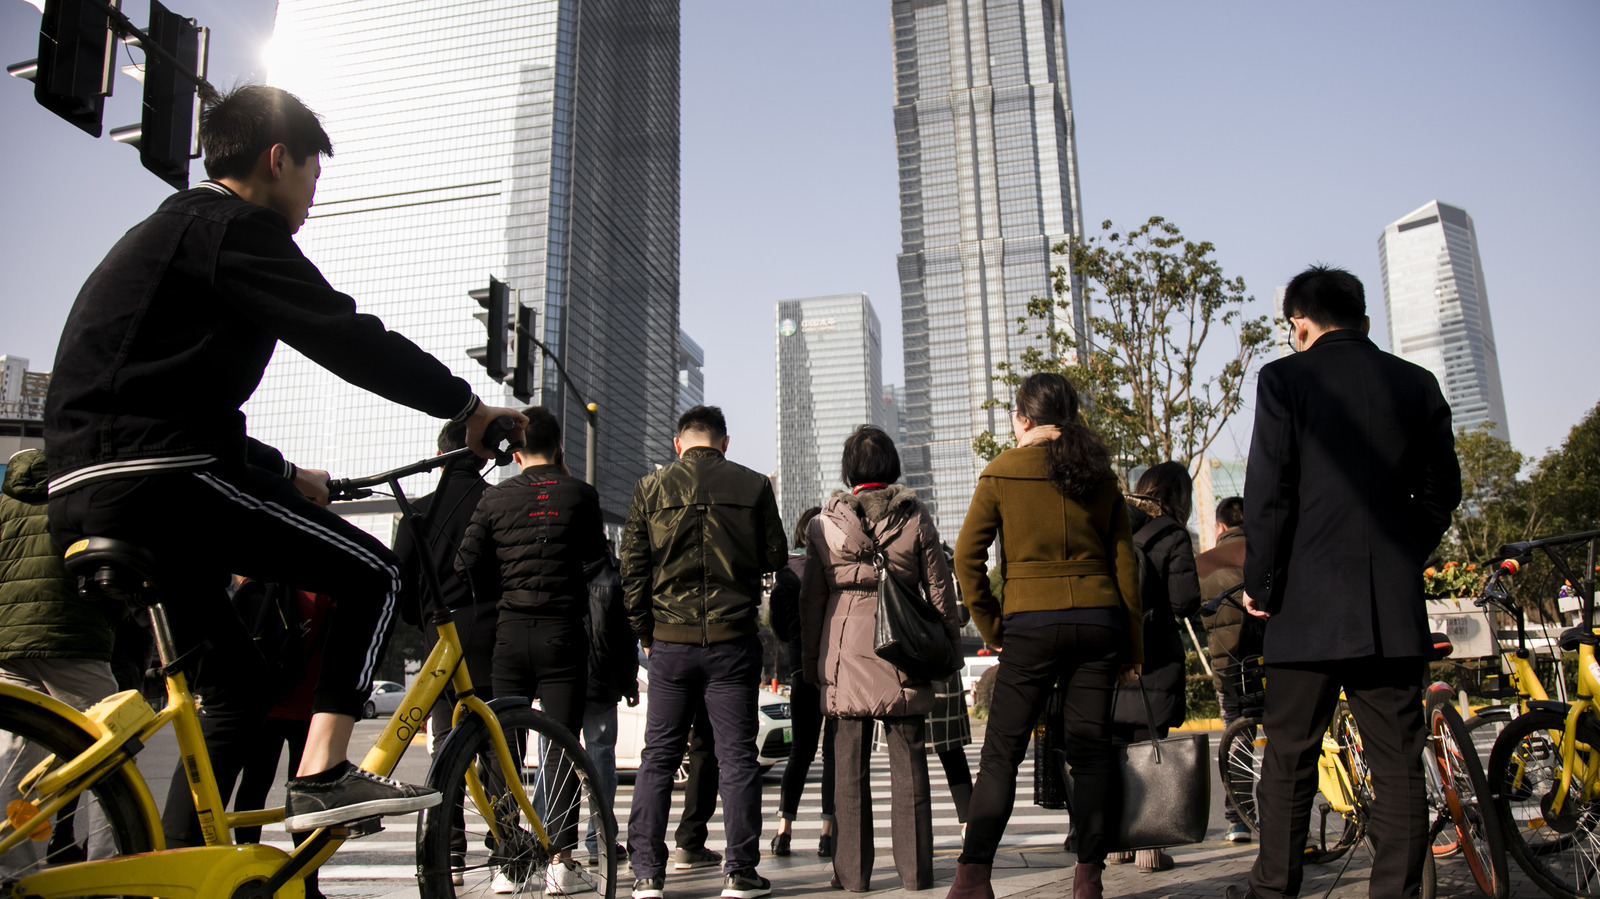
<point x="123" y="723"/>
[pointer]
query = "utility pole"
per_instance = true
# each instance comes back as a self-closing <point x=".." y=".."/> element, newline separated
<point x="591" y="456"/>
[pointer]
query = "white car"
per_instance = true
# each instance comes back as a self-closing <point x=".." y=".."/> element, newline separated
<point x="973" y="669"/>
<point x="385" y="698"/>
<point x="774" y="735"/>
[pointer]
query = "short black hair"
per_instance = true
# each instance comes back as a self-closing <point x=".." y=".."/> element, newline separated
<point x="453" y="436"/>
<point x="235" y="129"/>
<point x="542" y="434"/>
<point x="1330" y="297"/>
<point x="1230" y="512"/>
<point x="803" y="523"/>
<point x="869" y="457"/>
<point x="704" y="419"/>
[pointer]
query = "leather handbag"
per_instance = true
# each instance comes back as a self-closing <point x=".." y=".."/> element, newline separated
<point x="908" y="631"/>
<point x="1164" y="798"/>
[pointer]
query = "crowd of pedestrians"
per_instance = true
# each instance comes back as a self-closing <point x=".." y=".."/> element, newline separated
<point x="1351" y="480"/>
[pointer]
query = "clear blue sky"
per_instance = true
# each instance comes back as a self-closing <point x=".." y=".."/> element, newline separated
<point x="1283" y="133"/>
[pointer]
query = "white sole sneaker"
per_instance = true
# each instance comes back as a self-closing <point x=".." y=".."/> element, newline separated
<point x="375" y="808"/>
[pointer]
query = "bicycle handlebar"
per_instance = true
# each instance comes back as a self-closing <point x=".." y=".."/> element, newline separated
<point x="359" y="488"/>
<point x="1215" y="602"/>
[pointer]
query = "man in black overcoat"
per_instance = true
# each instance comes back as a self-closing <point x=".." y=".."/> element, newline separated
<point x="1351" y="481"/>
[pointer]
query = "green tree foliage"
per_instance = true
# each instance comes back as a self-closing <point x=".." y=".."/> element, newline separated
<point x="1495" y="505"/>
<point x="1561" y="495"/>
<point x="1154" y="299"/>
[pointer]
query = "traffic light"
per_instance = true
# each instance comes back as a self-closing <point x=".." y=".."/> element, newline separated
<point x="492" y="355"/>
<point x="525" y="369"/>
<point x="166" y="132"/>
<point x="73" y="74"/>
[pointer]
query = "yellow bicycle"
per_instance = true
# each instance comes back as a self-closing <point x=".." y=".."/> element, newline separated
<point x="518" y="791"/>
<point x="1544" y="770"/>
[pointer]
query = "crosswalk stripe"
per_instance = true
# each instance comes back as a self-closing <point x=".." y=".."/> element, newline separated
<point x="367" y="863"/>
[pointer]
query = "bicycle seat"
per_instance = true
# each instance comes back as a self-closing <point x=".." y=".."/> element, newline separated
<point x="115" y="569"/>
<point x="1442" y="647"/>
<point x="1573" y="636"/>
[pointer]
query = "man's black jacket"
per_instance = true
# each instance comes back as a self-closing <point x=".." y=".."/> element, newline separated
<point x="613" y="651"/>
<point x="171" y="333"/>
<point x="700" y="534"/>
<point x="528" y="543"/>
<point x="445" y="513"/>
<point x="1351" y="481"/>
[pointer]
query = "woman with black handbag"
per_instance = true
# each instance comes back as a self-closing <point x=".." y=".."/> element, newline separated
<point x="876" y="530"/>
<point x="1169" y="589"/>
<point x="1071" y="615"/>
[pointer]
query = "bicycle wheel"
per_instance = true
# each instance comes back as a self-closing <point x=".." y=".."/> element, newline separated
<point x="106" y="819"/>
<point x="1560" y="852"/>
<point x="1243" y="746"/>
<point x="467" y="850"/>
<point x="1464" y="787"/>
<point x="1328" y="844"/>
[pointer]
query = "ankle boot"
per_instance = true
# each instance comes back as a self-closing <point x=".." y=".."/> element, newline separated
<point x="972" y="882"/>
<point x="1086" y="881"/>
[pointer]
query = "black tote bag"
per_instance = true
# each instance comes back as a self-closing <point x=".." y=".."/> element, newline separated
<point x="909" y="632"/>
<point x="1165" y="792"/>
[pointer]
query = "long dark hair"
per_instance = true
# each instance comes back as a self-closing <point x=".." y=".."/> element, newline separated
<point x="1168" y="485"/>
<point x="1077" y="461"/>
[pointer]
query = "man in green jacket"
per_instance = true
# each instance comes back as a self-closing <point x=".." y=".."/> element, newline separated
<point x="1220" y="568"/>
<point x="51" y="640"/>
<point x="700" y="534"/>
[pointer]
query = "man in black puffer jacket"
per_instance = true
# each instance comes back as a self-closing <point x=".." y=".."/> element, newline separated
<point x="526" y="550"/>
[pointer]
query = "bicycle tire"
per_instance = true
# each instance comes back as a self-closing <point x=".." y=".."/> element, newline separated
<point x="479" y="860"/>
<point x="1562" y="856"/>
<point x="114" y="797"/>
<point x="1318" y="848"/>
<point x="1485" y="726"/>
<point x="1465" y="787"/>
<point x="1239" y="756"/>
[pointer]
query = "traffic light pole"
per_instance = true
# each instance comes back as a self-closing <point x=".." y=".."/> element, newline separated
<point x="590" y="410"/>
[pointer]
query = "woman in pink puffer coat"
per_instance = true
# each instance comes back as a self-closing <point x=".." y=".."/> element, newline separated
<point x="838" y="612"/>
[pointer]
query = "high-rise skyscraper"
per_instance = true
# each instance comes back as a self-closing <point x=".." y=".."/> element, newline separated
<point x="534" y="140"/>
<point x="988" y="185"/>
<point x="691" y="377"/>
<point x="1438" y="310"/>
<point x="829" y="382"/>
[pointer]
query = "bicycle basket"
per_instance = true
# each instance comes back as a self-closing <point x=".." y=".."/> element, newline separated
<point x="1248" y="680"/>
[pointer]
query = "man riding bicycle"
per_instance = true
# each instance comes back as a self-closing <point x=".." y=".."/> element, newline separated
<point x="146" y="441"/>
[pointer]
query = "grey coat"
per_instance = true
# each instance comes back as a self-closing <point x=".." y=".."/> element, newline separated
<point x="839" y="599"/>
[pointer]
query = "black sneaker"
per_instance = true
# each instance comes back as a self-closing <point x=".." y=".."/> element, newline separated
<point x="684" y="859"/>
<point x="825" y="846"/>
<point x="356" y="794"/>
<point x="780" y="845"/>
<point x="649" y="888"/>
<point x="745" y="884"/>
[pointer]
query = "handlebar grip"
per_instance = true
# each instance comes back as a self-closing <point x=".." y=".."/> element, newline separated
<point x="496" y="431"/>
<point x="340" y="489"/>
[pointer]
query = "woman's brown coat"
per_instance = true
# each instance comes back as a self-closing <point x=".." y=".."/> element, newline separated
<point x="1055" y="553"/>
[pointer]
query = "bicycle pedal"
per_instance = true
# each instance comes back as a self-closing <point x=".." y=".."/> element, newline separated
<point x="365" y="827"/>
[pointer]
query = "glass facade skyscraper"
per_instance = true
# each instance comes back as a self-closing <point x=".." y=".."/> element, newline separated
<point x="691" y="376"/>
<point x="1438" y="310"/>
<point x="829" y="382"/>
<point x="534" y="140"/>
<point x="988" y="184"/>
